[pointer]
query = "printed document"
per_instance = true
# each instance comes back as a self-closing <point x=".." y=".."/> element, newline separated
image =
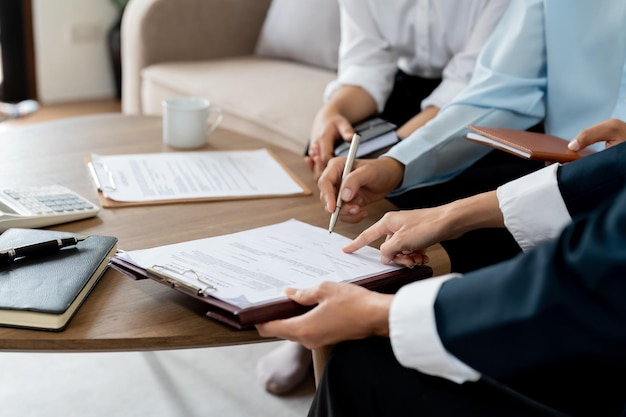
<point x="255" y="266"/>
<point x="188" y="175"/>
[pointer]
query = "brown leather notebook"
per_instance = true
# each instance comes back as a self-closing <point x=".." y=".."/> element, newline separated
<point x="529" y="145"/>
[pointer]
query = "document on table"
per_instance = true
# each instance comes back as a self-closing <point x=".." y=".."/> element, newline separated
<point x="182" y="176"/>
<point x="255" y="266"/>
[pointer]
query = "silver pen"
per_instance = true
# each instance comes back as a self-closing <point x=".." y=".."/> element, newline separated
<point x="354" y="144"/>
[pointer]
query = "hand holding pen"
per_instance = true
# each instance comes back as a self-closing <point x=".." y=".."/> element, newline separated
<point x="354" y="144"/>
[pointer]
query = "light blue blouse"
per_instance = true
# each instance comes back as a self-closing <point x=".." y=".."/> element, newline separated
<point x="560" y="61"/>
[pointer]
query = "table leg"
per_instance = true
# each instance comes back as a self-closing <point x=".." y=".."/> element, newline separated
<point x="319" y="362"/>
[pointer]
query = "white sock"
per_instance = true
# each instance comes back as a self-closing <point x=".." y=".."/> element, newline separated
<point x="284" y="368"/>
<point x="21" y="109"/>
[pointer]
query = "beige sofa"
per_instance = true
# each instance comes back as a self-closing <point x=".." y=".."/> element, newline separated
<point x="264" y="62"/>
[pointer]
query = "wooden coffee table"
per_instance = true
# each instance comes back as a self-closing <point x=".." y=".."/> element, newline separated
<point x="125" y="315"/>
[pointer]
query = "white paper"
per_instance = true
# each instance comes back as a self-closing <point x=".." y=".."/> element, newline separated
<point x="184" y="175"/>
<point x="256" y="265"/>
<point x="497" y="144"/>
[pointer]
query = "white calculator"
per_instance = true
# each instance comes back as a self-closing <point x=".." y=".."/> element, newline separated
<point x="32" y="207"/>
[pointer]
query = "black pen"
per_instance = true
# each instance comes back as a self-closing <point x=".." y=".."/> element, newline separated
<point x="38" y="249"/>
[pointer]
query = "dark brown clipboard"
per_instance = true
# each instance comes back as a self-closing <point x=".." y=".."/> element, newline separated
<point x="109" y="203"/>
<point x="244" y="318"/>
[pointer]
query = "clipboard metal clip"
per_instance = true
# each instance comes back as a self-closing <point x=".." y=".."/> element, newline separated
<point x="101" y="176"/>
<point x="158" y="272"/>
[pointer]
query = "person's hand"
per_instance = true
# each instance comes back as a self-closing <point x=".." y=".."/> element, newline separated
<point x="348" y="105"/>
<point x="417" y="121"/>
<point x="370" y="180"/>
<point x="409" y="232"/>
<point x="343" y="311"/>
<point x="612" y="132"/>
<point x="328" y="126"/>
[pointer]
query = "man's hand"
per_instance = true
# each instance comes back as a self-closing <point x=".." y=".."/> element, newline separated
<point x="370" y="180"/>
<point x="612" y="131"/>
<point x="343" y="311"/>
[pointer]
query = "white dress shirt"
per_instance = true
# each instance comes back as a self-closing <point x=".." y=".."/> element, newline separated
<point x="426" y="38"/>
<point x="533" y="211"/>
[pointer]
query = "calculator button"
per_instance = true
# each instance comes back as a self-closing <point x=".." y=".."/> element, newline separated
<point x="42" y="206"/>
<point x="52" y="200"/>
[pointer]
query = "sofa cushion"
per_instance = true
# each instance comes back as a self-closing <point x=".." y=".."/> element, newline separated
<point x="304" y="31"/>
<point x="273" y="100"/>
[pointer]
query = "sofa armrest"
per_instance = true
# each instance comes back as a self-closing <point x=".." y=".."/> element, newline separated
<point x="156" y="31"/>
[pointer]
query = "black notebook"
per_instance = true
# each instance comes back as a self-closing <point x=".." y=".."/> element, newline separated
<point x="44" y="292"/>
<point x="376" y="136"/>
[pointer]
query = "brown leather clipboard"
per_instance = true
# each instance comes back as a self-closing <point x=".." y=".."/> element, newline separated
<point x="109" y="203"/>
<point x="243" y="318"/>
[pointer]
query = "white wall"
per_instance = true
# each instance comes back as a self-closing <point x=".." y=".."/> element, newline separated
<point x="71" y="54"/>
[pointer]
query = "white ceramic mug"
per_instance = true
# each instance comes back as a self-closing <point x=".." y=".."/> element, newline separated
<point x="186" y="121"/>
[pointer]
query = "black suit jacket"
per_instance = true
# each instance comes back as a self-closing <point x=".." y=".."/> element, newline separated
<point x="564" y="302"/>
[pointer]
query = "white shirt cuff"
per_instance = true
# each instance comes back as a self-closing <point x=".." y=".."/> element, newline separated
<point x="413" y="332"/>
<point x="378" y="82"/>
<point x="533" y="208"/>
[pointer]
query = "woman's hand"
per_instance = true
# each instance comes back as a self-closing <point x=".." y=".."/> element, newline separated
<point x="348" y="105"/>
<point x="370" y="181"/>
<point x="409" y="233"/>
<point x="612" y="132"/>
<point x="328" y="126"/>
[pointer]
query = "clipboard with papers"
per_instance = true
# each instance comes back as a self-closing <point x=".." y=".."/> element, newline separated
<point x="179" y="177"/>
<point x="241" y="277"/>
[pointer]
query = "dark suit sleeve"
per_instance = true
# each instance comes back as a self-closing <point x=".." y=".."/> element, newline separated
<point x="589" y="181"/>
<point x="563" y="301"/>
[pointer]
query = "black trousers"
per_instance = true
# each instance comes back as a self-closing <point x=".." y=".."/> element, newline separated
<point x="363" y="378"/>
<point x="481" y="247"/>
<point x="406" y="97"/>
